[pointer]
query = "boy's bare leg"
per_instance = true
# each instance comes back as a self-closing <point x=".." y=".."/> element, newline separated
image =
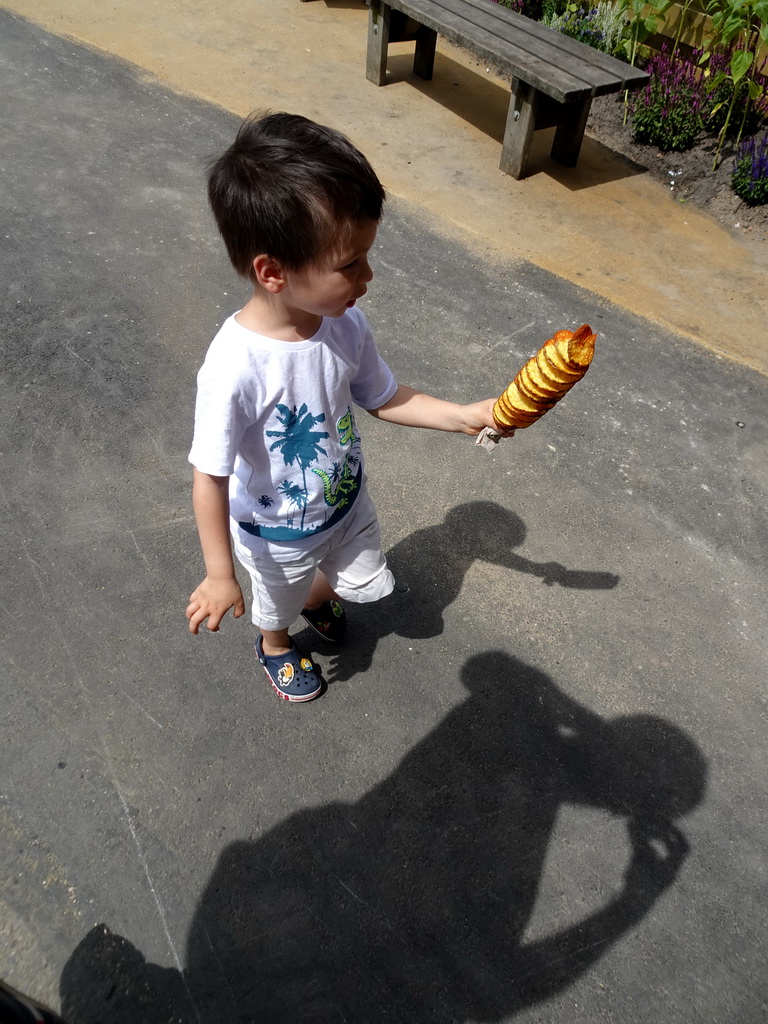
<point x="275" y="641"/>
<point x="320" y="592"/>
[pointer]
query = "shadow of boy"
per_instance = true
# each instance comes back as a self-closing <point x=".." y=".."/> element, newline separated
<point x="429" y="567"/>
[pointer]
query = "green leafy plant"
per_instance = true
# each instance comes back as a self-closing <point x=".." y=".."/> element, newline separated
<point x="746" y="119"/>
<point x="738" y="26"/>
<point x="603" y="27"/>
<point x="551" y="8"/>
<point x="750" y="172"/>
<point x="686" y="6"/>
<point x="644" y="19"/>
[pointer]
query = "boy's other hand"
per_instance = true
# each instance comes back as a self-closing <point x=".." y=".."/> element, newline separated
<point x="212" y="600"/>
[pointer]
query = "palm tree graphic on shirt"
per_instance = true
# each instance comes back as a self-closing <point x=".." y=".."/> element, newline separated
<point x="297" y="496"/>
<point x="298" y="443"/>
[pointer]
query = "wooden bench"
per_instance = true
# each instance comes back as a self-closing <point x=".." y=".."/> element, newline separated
<point x="553" y="76"/>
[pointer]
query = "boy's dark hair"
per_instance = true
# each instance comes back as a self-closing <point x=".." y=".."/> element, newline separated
<point x="285" y="187"/>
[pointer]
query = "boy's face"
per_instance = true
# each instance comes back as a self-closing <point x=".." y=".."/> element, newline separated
<point x="339" y="279"/>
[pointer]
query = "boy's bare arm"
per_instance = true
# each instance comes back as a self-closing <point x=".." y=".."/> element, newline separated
<point x="220" y="590"/>
<point x="413" y="408"/>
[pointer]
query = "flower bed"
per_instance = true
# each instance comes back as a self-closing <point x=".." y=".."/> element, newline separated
<point x="705" y="109"/>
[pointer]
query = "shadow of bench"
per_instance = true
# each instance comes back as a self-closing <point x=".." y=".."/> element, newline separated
<point x="553" y="76"/>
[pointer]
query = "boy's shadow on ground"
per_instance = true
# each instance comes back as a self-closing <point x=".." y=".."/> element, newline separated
<point x="429" y="568"/>
<point x="412" y="904"/>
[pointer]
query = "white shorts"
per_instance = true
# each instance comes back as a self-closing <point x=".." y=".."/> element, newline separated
<point x="281" y="573"/>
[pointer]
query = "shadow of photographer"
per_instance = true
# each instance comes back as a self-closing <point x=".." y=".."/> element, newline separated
<point x="413" y="902"/>
<point x="429" y="568"/>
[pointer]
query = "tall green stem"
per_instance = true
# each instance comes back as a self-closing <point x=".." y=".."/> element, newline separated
<point x="681" y="23"/>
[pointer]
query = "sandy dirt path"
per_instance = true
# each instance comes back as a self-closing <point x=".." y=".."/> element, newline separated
<point x="603" y="226"/>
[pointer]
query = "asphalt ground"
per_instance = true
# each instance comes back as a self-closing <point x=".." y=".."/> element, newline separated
<point x="535" y="787"/>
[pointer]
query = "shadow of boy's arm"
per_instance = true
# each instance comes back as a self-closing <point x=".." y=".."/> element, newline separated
<point x="552" y="573"/>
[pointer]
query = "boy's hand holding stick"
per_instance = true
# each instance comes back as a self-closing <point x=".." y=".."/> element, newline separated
<point x="560" y="362"/>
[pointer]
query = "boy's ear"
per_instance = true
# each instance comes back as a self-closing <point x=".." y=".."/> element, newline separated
<point x="269" y="274"/>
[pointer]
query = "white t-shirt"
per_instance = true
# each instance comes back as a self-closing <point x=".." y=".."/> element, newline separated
<point x="277" y="418"/>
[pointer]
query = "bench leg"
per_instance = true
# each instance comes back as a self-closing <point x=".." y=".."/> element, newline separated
<point x="570" y="132"/>
<point x="518" y="134"/>
<point x="378" y="42"/>
<point x="424" y="59"/>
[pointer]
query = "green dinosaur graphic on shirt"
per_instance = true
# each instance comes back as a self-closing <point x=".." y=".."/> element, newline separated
<point x="346" y="428"/>
<point x="337" y="487"/>
<point x="341" y="482"/>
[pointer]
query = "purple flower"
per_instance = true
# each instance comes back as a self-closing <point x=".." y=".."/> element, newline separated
<point x="750" y="171"/>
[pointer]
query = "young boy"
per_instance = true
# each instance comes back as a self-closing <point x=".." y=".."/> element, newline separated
<point x="278" y="465"/>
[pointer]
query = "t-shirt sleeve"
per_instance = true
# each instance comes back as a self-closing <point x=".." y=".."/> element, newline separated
<point x="220" y="422"/>
<point x="374" y="384"/>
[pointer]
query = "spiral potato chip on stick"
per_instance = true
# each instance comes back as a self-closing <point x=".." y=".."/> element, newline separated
<point x="541" y="383"/>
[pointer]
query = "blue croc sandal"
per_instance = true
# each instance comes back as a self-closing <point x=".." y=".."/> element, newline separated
<point x="329" y="620"/>
<point x="293" y="676"/>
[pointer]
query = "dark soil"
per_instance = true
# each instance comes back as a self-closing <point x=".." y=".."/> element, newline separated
<point x="688" y="175"/>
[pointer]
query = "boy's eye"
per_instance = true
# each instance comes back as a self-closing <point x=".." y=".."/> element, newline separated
<point x="348" y="266"/>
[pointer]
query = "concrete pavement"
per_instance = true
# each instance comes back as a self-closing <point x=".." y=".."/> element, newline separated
<point x="535" y="789"/>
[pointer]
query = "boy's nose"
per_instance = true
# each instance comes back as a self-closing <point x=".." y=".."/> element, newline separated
<point x="367" y="274"/>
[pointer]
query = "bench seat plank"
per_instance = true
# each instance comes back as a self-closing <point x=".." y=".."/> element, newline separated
<point x="507" y="23"/>
<point x="518" y="46"/>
